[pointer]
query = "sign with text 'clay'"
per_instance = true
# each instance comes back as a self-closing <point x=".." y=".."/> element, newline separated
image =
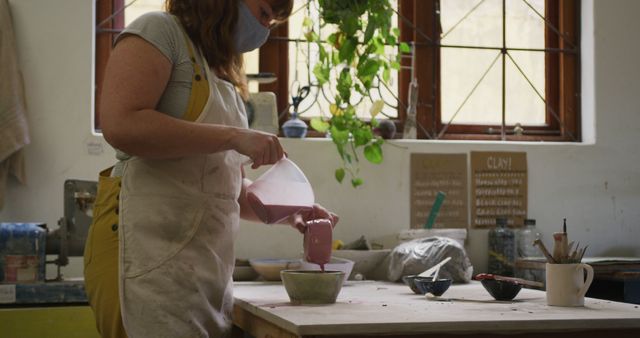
<point x="498" y="188"/>
<point x="433" y="173"/>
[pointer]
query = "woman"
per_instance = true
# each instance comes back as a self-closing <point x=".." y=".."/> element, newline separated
<point x="159" y="256"/>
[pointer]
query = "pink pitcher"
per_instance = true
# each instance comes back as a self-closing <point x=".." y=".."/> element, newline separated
<point x="280" y="192"/>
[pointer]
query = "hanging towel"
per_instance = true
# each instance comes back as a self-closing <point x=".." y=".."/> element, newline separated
<point x="14" y="133"/>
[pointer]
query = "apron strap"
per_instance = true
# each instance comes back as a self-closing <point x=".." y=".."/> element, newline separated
<point x="199" y="83"/>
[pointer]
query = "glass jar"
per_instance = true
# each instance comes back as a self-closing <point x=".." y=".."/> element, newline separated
<point x="525" y="248"/>
<point x="22" y="252"/>
<point x="502" y="249"/>
<point x="525" y="238"/>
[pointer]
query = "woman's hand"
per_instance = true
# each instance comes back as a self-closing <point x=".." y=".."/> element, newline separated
<point x="298" y="220"/>
<point x="263" y="148"/>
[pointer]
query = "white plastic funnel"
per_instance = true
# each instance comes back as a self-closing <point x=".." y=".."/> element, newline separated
<point x="280" y="192"/>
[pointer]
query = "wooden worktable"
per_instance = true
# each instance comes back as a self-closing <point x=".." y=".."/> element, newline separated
<point x="379" y="308"/>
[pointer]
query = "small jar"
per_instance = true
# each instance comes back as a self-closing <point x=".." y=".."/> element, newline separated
<point x="502" y="249"/>
<point x="22" y="252"/>
<point x="525" y="248"/>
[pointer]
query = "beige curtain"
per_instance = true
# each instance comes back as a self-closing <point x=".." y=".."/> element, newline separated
<point x="14" y="133"/>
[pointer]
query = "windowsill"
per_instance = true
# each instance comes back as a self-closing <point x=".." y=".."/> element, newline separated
<point x="443" y="142"/>
<point x="455" y="142"/>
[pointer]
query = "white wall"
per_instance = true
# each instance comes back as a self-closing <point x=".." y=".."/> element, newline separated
<point x="595" y="186"/>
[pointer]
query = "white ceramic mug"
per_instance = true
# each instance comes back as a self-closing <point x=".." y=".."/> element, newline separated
<point x="566" y="284"/>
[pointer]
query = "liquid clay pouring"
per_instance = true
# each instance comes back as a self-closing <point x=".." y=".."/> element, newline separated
<point x="317" y="241"/>
<point x="284" y="190"/>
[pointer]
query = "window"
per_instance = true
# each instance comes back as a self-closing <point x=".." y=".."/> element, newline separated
<point x="495" y="69"/>
<point x="486" y="69"/>
<point x="107" y="26"/>
<point x="303" y="56"/>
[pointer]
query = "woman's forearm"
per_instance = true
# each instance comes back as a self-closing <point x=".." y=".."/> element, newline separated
<point x="151" y="134"/>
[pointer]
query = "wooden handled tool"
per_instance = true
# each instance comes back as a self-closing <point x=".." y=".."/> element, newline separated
<point x="560" y="247"/>
<point x="544" y="250"/>
<point x="482" y="276"/>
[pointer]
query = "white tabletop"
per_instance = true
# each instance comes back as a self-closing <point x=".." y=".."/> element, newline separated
<point x="380" y="307"/>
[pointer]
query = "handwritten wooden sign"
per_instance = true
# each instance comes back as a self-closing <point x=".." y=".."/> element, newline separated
<point x="431" y="173"/>
<point x="498" y="188"/>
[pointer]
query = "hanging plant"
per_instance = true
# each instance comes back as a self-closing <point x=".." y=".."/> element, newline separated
<point x="354" y="58"/>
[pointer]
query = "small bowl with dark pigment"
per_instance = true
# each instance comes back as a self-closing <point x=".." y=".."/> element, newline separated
<point x="312" y="286"/>
<point x="500" y="289"/>
<point x="410" y="281"/>
<point x="428" y="285"/>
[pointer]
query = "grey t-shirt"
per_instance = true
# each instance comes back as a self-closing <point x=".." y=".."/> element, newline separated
<point x="163" y="31"/>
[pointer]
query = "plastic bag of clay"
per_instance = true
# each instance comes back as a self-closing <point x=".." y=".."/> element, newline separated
<point x="417" y="256"/>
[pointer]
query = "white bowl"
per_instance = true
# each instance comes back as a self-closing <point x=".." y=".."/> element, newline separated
<point x="269" y="268"/>
<point x="244" y="273"/>
<point x="336" y="264"/>
<point x="369" y="263"/>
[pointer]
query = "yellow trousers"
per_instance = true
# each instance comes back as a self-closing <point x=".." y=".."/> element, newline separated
<point x="101" y="259"/>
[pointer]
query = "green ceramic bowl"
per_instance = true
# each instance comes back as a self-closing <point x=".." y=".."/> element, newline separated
<point x="312" y="286"/>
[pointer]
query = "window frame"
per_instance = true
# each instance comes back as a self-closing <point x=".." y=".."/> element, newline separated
<point x="562" y="68"/>
<point x="106" y="27"/>
<point x="562" y="78"/>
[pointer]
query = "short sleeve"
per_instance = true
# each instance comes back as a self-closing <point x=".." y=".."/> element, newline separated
<point x="159" y="29"/>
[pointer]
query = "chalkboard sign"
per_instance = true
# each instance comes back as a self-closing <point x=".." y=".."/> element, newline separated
<point x="433" y="173"/>
<point x="498" y="188"/>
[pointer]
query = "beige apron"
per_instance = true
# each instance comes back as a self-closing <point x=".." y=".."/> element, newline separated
<point x="178" y="220"/>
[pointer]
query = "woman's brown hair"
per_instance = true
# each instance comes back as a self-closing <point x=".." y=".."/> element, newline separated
<point x="211" y="25"/>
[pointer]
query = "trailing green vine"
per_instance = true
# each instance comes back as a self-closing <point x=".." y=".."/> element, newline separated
<point x="355" y="51"/>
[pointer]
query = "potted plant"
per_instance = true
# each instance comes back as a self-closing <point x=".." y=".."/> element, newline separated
<point x="353" y="58"/>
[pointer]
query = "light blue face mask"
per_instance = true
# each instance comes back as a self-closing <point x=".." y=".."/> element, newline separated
<point x="250" y="33"/>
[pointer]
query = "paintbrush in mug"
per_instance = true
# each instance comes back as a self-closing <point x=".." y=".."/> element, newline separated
<point x="574" y="253"/>
<point x="561" y="251"/>
<point x="544" y="250"/>
<point x="574" y="256"/>
<point x="560" y="247"/>
<point x="566" y="237"/>
<point x="582" y="253"/>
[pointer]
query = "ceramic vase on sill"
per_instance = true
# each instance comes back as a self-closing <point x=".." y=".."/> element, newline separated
<point x="294" y="127"/>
